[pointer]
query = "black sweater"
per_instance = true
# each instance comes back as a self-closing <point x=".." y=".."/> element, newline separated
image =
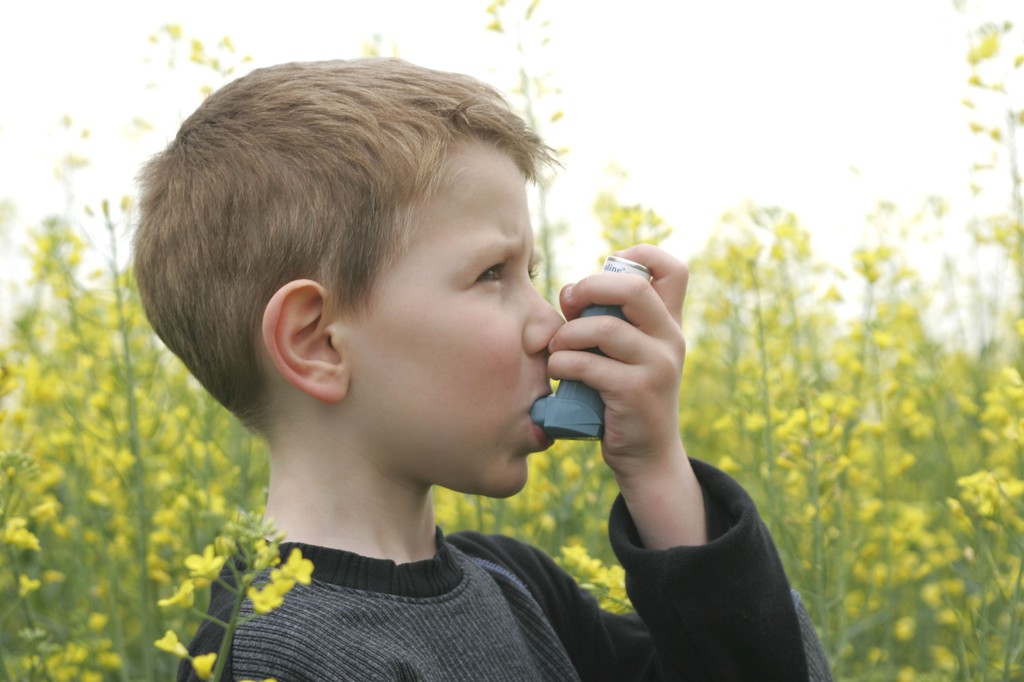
<point x="493" y="608"/>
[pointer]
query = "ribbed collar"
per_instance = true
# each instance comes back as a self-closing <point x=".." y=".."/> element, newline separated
<point x="428" y="578"/>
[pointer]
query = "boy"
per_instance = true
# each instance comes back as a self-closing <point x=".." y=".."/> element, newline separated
<point x="341" y="253"/>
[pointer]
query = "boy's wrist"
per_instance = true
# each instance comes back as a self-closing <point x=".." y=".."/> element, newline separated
<point x="665" y="500"/>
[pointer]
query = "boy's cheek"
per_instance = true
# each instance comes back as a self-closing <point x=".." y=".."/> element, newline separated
<point x="495" y="351"/>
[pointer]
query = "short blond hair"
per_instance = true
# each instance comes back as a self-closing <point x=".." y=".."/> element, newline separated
<point x="302" y="170"/>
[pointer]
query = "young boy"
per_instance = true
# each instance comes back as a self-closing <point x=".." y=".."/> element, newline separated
<point x="341" y="253"/>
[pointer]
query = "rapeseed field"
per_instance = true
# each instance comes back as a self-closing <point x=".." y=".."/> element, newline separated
<point x="875" y="415"/>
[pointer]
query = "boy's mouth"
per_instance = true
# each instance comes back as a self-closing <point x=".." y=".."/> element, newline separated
<point x="538" y="430"/>
<point x="544" y="441"/>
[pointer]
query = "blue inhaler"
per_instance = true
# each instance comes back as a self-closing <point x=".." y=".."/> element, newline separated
<point x="576" y="411"/>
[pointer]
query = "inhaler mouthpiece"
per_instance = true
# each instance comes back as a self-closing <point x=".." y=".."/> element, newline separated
<point x="576" y="411"/>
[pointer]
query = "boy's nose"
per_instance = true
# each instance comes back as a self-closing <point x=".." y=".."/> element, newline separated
<point x="543" y="323"/>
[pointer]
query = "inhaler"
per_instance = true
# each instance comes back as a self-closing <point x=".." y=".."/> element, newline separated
<point x="576" y="411"/>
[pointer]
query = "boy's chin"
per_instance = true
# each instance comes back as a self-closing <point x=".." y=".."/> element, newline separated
<point x="502" y="494"/>
<point x="511" y="484"/>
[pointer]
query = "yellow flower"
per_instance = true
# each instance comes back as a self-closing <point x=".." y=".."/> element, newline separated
<point x="271" y="595"/>
<point x="728" y="465"/>
<point x="26" y="585"/>
<point x="170" y="643"/>
<point x="547" y="522"/>
<point x="184" y="596"/>
<point x="99" y="498"/>
<point x="931" y="594"/>
<point x="904" y="629"/>
<point x="571" y="469"/>
<point x="18" y="536"/>
<point x="983" y="492"/>
<point x="53" y="576"/>
<point x="203" y="665"/>
<point x="985" y="49"/>
<point x="97" y="621"/>
<point x="578" y="561"/>
<point x="755" y="422"/>
<point x="266" y="555"/>
<point x="723" y="423"/>
<point x="866" y="264"/>
<point x="943" y="657"/>
<point x="206" y="566"/>
<point x="45" y="511"/>
<point x="266" y="599"/>
<point x="223" y="545"/>
<point x="296" y="568"/>
<point x="883" y="338"/>
<point x="109" y="660"/>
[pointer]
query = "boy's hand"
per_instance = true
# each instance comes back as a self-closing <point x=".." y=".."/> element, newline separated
<point x="639" y="378"/>
<point x="639" y="383"/>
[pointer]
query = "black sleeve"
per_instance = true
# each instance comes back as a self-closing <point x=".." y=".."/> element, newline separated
<point x="722" y="611"/>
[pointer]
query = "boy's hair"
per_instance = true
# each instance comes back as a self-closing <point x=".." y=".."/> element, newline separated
<point x="303" y="170"/>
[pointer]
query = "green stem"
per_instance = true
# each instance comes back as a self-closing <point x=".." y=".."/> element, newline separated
<point x="113" y="599"/>
<point x="766" y="398"/>
<point x="1016" y="204"/>
<point x="545" y="229"/>
<point x="816" y="493"/>
<point x="135" y="447"/>
<point x="231" y="625"/>
<point x="1011" y="645"/>
<point x="842" y="627"/>
<point x="873" y="354"/>
<point x="985" y="578"/>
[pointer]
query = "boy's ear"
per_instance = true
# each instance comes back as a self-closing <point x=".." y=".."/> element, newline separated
<point x="301" y="341"/>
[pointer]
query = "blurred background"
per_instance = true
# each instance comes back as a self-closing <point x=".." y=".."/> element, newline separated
<point x="823" y="109"/>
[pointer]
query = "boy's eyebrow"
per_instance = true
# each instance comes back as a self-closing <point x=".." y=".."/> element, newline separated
<point x="506" y="249"/>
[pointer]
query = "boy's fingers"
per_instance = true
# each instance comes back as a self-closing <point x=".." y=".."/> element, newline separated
<point x="628" y="291"/>
<point x="626" y="346"/>
<point x="615" y="338"/>
<point x="641" y="303"/>
<point x="670" y="276"/>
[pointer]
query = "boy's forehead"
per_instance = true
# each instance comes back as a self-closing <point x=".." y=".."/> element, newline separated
<point x="475" y="175"/>
<point x="474" y="159"/>
<point x="479" y="186"/>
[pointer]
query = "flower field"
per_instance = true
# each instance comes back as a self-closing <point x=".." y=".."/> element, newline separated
<point x="887" y="461"/>
<point x="875" y="415"/>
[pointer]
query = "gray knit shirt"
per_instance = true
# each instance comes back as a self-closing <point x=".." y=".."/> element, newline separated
<point x="493" y="608"/>
<point x="479" y="627"/>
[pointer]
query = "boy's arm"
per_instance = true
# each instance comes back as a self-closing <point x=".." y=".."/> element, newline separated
<point x="727" y="604"/>
<point x="638" y="378"/>
<point x="721" y="611"/>
<point x="725" y="610"/>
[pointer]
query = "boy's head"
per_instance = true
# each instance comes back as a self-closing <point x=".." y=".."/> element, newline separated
<point x="306" y="170"/>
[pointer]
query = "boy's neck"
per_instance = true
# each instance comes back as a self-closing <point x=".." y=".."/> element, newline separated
<point x="333" y="502"/>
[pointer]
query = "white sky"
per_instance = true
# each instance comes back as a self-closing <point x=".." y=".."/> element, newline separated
<point x="706" y="104"/>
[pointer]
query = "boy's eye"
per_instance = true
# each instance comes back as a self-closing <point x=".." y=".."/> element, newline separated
<point x="495" y="273"/>
<point x="492" y="274"/>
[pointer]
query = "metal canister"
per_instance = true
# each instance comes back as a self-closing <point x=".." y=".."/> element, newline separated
<point x="626" y="266"/>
